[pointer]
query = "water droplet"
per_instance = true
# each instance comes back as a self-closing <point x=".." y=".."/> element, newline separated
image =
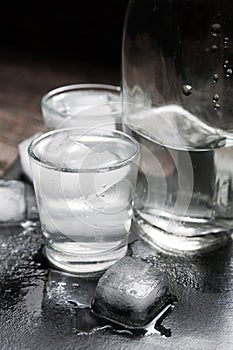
<point x="61" y="284"/>
<point x="104" y="186"/>
<point x="215" y="98"/>
<point x="229" y="72"/>
<point x="28" y="224"/>
<point x="133" y="292"/>
<point x="187" y="89"/>
<point x="226" y="42"/>
<point x="216" y="106"/>
<point x="225" y="63"/>
<point x="214" y="48"/>
<point x="72" y="302"/>
<point x="215" y="78"/>
<point x="75" y="284"/>
<point x="216" y="29"/>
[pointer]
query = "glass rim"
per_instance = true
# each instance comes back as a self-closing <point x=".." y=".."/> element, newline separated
<point x="76" y="87"/>
<point x="99" y="169"/>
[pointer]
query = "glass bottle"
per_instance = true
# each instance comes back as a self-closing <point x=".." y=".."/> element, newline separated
<point x="177" y="64"/>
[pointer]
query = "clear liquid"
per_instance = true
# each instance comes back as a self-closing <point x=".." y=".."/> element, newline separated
<point x="82" y="235"/>
<point x="86" y="233"/>
<point x="184" y="192"/>
<point x="87" y="108"/>
<point x="85" y="216"/>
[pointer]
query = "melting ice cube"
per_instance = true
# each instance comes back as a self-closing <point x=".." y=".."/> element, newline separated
<point x="68" y="153"/>
<point x="106" y="116"/>
<point x="73" y="102"/>
<point x="93" y="180"/>
<point x="12" y="201"/>
<point x="131" y="292"/>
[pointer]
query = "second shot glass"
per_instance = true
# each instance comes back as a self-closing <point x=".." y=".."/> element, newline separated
<point x="83" y="105"/>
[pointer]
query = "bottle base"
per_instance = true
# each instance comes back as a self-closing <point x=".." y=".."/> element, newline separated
<point x="178" y="244"/>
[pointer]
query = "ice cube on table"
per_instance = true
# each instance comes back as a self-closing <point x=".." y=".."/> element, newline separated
<point x="12" y="201"/>
<point x="131" y="292"/>
<point x="24" y="157"/>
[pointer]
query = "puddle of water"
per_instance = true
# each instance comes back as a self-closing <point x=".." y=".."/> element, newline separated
<point x="69" y="296"/>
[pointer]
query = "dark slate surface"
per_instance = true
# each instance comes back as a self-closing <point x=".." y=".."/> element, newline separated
<point x="41" y="308"/>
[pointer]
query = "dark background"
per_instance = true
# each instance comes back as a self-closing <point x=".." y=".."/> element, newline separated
<point x="47" y="44"/>
<point x="66" y="30"/>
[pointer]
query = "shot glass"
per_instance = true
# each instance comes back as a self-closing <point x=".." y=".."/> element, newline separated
<point x="84" y="184"/>
<point x="86" y="105"/>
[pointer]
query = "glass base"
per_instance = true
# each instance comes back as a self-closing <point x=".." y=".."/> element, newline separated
<point x="177" y="244"/>
<point x="84" y="265"/>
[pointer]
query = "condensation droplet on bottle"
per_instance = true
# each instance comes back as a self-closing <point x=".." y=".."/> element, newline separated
<point x="225" y="63"/>
<point x="215" y="98"/>
<point x="226" y="42"/>
<point x="229" y="72"/>
<point x="187" y="89"/>
<point x="215" y="78"/>
<point x="214" y="48"/>
<point x="216" y="29"/>
<point x="216" y="106"/>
